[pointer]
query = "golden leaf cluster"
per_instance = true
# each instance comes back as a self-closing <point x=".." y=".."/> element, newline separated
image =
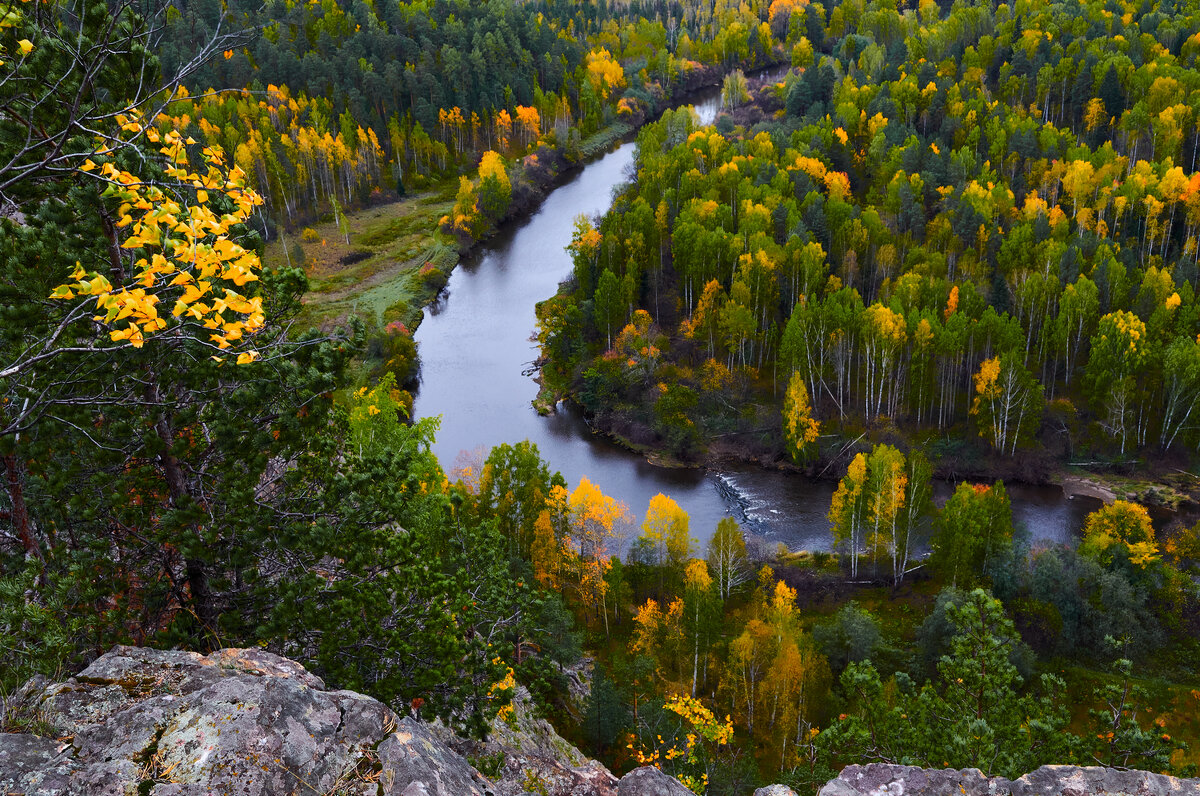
<point x="182" y="234"/>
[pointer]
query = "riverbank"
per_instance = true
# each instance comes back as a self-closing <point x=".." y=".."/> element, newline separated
<point x="1171" y="494"/>
<point x="389" y="261"/>
<point x="554" y="162"/>
<point x="369" y="264"/>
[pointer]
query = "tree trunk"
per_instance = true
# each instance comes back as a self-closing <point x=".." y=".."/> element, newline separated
<point x="18" y="513"/>
<point x="203" y="601"/>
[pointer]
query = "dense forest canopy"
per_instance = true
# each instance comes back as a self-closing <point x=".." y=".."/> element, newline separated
<point x="393" y="94"/>
<point x="949" y="225"/>
<point x="982" y="214"/>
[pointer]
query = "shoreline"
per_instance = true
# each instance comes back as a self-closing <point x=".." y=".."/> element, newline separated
<point x="617" y="133"/>
<point x="1153" y="490"/>
<point x="541" y="176"/>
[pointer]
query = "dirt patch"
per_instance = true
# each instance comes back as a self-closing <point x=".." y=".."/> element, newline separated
<point x="1079" y="485"/>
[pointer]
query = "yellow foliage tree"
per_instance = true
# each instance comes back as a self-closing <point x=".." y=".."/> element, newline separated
<point x="1006" y="402"/>
<point x="529" y="122"/>
<point x="604" y="73"/>
<point x="847" y="510"/>
<point x="495" y="190"/>
<point x="465" y="218"/>
<point x="187" y="256"/>
<point x="750" y="655"/>
<point x="1121" y="527"/>
<point x="799" y="428"/>
<point x="596" y="521"/>
<point x="666" y="532"/>
<point x="797" y="682"/>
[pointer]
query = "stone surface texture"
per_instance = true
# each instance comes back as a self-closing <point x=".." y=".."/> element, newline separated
<point x="243" y="722"/>
<point x="881" y="779"/>
<point x="236" y="722"/>
<point x="649" y="781"/>
<point x="524" y="753"/>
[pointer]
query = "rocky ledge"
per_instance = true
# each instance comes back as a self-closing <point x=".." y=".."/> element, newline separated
<point x="881" y="779"/>
<point x="243" y="722"/>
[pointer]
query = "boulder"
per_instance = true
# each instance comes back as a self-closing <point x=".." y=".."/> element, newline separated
<point x="882" y="779"/>
<point x="649" y="781"/>
<point x="236" y="722"/>
<point x="524" y="753"/>
<point x="775" y="790"/>
<point x="415" y="763"/>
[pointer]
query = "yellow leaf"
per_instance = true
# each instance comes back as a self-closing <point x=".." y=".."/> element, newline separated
<point x="25" y="46"/>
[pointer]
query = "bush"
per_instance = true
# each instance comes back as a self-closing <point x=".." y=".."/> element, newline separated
<point x="296" y="254"/>
<point x="851" y="636"/>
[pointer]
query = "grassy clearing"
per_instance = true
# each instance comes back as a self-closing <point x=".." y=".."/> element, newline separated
<point x="604" y="140"/>
<point x="373" y="266"/>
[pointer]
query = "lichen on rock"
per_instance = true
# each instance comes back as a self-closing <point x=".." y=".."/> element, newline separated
<point x="238" y="722"/>
<point x="881" y="779"/>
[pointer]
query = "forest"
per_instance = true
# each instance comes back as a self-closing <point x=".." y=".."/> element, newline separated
<point x="338" y="102"/>
<point x="951" y="232"/>
<point x="968" y="224"/>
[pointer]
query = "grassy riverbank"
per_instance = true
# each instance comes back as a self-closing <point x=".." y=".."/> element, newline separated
<point x="370" y="264"/>
<point x="385" y="263"/>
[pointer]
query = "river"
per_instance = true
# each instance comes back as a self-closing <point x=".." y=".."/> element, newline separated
<point x="475" y="348"/>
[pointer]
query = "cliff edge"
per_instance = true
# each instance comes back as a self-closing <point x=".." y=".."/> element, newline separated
<point x="243" y="722"/>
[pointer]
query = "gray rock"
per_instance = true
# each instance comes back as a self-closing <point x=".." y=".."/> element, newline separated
<point x="775" y="790"/>
<point x="236" y="723"/>
<point x="1076" y="781"/>
<point x="579" y="685"/>
<point x="32" y="765"/>
<point x="881" y="779"/>
<point x="415" y="763"/>
<point x="523" y="749"/>
<point x="649" y="781"/>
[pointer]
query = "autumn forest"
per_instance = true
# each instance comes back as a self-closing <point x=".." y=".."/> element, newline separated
<point x="924" y="252"/>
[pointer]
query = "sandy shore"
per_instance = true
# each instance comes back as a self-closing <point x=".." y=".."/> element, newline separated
<point x="1073" y="485"/>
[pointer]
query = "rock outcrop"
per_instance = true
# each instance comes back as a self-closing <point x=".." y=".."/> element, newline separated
<point x="243" y="722"/>
<point x="649" y="781"/>
<point x="524" y="752"/>
<point x="880" y="779"/>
